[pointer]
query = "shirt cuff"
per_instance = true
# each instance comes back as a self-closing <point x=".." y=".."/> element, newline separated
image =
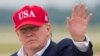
<point x="82" y="46"/>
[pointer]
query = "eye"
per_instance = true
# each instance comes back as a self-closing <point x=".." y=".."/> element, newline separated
<point x="34" y="28"/>
<point x="29" y="28"/>
<point x="23" y="30"/>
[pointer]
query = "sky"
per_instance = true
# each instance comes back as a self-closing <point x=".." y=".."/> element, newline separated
<point x="60" y="4"/>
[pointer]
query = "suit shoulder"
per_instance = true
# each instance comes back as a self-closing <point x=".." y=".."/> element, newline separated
<point x="14" y="54"/>
<point x="65" y="42"/>
<point x="62" y="46"/>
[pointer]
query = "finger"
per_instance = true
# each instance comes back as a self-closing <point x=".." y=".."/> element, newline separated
<point x="68" y="18"/>
<point x="74" y="12"/>
<point x="81" y="10"/>
<point x="89" y="17"/>
<point x="85" y="12"/>
<point x="68" y="21"/>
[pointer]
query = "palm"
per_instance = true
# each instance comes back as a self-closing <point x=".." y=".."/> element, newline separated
<point x="78" y="22"/>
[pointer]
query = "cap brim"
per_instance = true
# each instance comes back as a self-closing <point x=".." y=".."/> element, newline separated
<point x="28" y="23"/>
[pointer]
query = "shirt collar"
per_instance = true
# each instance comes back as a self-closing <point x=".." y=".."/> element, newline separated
<point x="39" y="53"/>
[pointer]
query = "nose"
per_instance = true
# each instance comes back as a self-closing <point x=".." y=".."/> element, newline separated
<point x="29" y="33"/>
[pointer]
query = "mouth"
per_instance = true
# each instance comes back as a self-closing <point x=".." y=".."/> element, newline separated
<point x="32" y="41"/>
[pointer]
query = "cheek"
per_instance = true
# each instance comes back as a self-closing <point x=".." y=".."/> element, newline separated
<point x="22" y="39"/>
<point x="43" y="32"/>
<point x="42" y="41"/>
<point x="43" y="36"/>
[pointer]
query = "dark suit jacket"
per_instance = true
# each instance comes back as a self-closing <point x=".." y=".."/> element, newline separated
<point x="65" y="48"/>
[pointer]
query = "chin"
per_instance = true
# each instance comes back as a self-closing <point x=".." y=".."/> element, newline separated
<point x="33" y="46"/>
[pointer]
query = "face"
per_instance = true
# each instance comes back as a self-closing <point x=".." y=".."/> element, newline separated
<point x="34" y="37"/>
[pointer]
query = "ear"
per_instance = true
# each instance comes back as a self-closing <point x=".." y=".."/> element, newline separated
<point x="17" y="33"/>
<point x="18" y="36"/>
<point x="48" y="26"/>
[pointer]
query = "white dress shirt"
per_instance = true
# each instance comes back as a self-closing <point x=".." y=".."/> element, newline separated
<point x="82" y="46"/>
<point x="39" y="53"/>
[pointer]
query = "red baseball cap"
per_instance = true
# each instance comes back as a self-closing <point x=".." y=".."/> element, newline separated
<point x="34" y="15"/>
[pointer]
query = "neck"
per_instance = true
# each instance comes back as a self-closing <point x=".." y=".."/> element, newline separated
<point x="29" y="52"/>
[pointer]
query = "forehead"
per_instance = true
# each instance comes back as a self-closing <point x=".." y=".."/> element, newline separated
<point x="28" y="25"/>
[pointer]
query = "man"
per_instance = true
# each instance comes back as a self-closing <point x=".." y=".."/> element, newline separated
<point x="33" y="29"/>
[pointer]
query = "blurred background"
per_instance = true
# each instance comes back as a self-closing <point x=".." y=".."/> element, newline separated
<point x="58" y="10"/>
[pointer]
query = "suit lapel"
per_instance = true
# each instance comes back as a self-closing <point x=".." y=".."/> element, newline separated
<point x="49" y="49"/>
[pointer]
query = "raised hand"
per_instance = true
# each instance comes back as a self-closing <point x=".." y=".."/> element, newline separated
<point x="78" y="22"/>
